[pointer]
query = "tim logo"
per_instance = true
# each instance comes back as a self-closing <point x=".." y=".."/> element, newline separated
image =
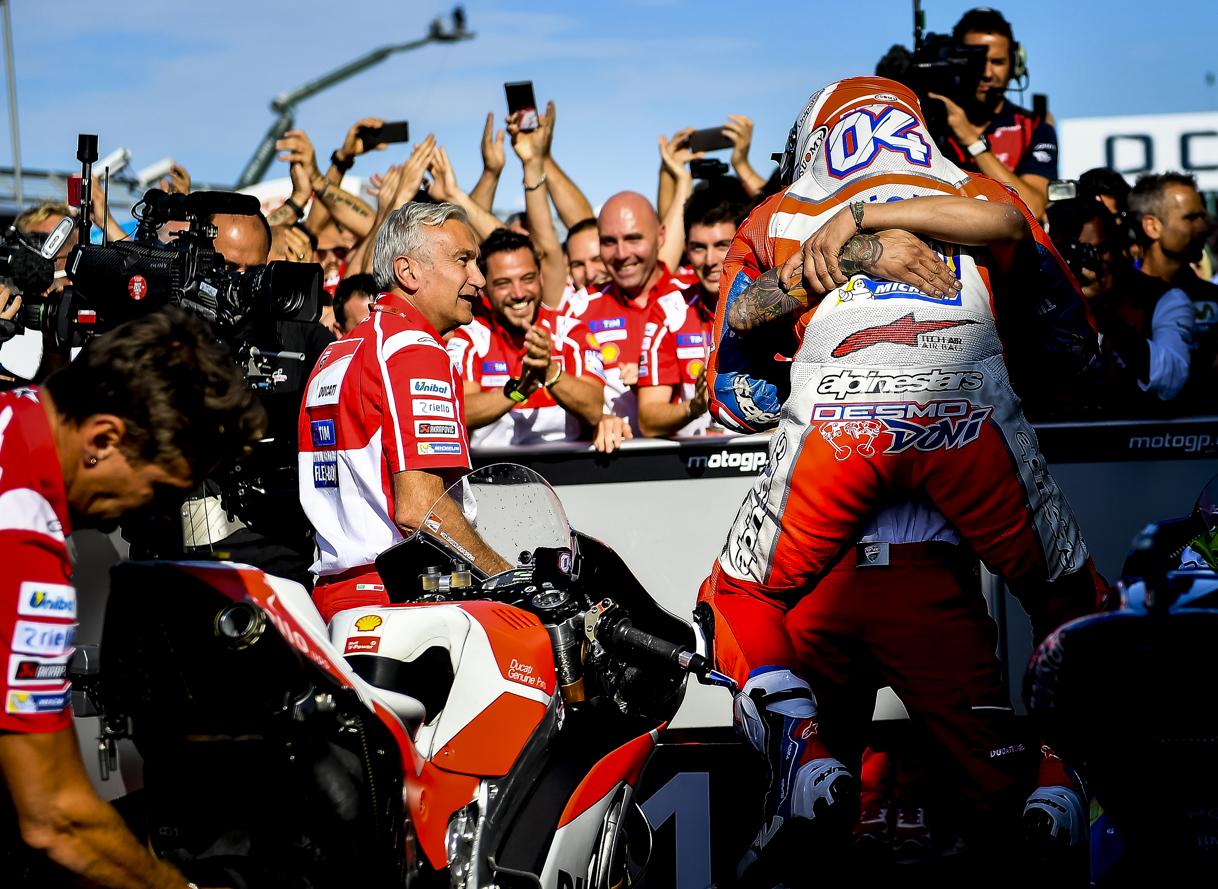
<point x="858" y="138"/>
<point x="601" y="324"/>
<point x="322" y="432"/>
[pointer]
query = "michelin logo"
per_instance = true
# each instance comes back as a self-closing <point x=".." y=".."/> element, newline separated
<point x="433" y="448"/>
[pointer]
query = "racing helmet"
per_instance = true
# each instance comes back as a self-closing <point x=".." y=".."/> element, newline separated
<point x="806" y="140"/>
<point x="1205" y="544"/>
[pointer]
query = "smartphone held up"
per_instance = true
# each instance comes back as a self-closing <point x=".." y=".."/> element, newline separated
<point x="520" y="98"/>
<point x="385" y="134"/>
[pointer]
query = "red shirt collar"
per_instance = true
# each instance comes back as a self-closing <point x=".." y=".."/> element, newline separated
<point x="654" y="292"/>
<point x="397" y="304"/>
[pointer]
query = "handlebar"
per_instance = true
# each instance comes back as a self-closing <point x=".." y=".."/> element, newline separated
<point x="608" y="625"/>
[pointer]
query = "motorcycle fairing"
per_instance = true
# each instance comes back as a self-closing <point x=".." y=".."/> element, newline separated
<point x="1101" y="686"/>
<point x="503" y="676"/>
<point x="623" y="765"/>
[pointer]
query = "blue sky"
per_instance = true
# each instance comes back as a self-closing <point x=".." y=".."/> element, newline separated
<point x="193" y="80"/>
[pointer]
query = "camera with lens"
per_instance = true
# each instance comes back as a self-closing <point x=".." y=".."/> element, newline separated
<point x="937" y="64"/>
<point x="1071" y="208"/>
<point x="127" y="279"/>
<point x="27" y="264"/>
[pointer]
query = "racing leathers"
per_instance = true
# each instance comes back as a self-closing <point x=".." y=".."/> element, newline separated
<point x="897" y="425"/>
<point x="893" y="392"/>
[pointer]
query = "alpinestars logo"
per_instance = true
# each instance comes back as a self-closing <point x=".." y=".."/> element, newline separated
<point x="904" y="331"/>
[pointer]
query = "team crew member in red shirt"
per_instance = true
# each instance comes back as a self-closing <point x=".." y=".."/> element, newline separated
<point x="144" y="413"/>
<point x="529" y="374"/>
<point x="382" y="432"/>
<point x="631" y="236"/>
<point x="676" y="340"/>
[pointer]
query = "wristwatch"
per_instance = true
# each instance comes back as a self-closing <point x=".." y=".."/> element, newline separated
<point x="511" y="389"/>
<point x="342" y="165"/>
<point x="981" y="146"/>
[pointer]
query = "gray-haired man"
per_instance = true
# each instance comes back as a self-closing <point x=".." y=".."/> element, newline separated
<point x="382" y="430"/>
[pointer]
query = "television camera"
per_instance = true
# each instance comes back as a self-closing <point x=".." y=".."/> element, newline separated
<point x="115" y="282"/>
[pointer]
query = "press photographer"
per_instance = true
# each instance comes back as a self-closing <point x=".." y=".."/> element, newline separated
<point x="966" y="78"/>
<point x="1146" y="330"/>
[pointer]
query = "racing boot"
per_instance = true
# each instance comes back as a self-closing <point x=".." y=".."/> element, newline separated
<point x="812" y="797"/>
<point x="1055" y="816"/>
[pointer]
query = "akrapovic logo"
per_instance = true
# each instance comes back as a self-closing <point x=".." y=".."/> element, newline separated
<point x="741" y="461"/>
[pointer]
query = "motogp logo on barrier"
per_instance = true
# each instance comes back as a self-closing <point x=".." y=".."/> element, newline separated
<point x="858" y="138"/>
<point x="854" y="428"/>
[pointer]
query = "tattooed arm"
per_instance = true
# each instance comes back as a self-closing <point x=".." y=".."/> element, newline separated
<point x="764" y="301"/>
<point x="779" y="293"/>
<point x="347" y="209"/>
<point x="893" y="255"/>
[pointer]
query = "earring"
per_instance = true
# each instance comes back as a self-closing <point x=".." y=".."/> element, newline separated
<point x="92" y="461"/>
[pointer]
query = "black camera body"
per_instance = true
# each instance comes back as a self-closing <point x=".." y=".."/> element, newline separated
<point x="127" y="279"/>
<point x="937" y="65"/>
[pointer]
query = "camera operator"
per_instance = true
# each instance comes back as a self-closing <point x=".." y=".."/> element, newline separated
<point x="1145" y="332"/>
<point x="140" y="416"/>
<point x="269" y="530"/>
<point x="991" y="135"/>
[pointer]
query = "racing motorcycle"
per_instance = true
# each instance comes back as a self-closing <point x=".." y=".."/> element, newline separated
<point x="481" y="731"/>
<point x="1127" y="697"/>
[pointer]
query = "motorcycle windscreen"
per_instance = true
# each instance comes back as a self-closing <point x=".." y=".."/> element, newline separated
<point x="491" y="516"/>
